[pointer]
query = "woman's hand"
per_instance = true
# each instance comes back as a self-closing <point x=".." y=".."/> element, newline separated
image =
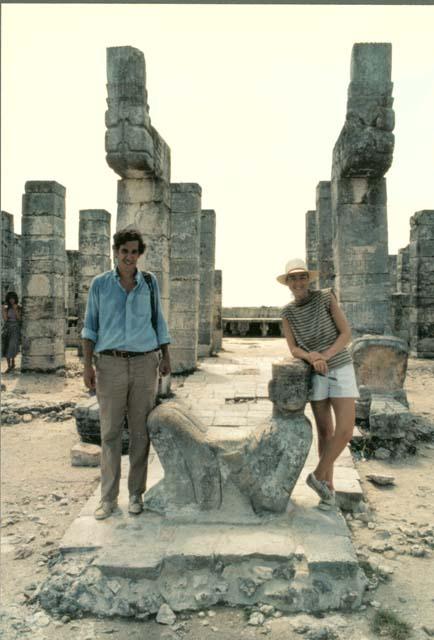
<point x="320" y="366"/>
<point x="314" y="355"/>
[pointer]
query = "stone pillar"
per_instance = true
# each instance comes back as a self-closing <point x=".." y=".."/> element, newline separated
<point x="72" y="277"/>
<point x="137" y="153"/>
<point x="94" y="254"/>
<point x="311" y="242"/>
<point x="422" y="284"/>
<point x="392" y="263"/>
<point x="43" y="274"/>
<point x="361" y="157"/>
<point x="324" y="225"/>
<point x="403" y="270"/>
<point x="7" y="254"/>
<point x="400" y="299"/>
<point x="18" y="265"/>
<point x="206" y="292"/>
<point x="217" y="338"/>
<point x="184" y="275"/>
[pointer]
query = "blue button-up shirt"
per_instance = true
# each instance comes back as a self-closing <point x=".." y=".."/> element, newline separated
<point x="116" y="319"/>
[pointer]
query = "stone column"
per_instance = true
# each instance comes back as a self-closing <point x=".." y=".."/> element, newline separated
<point x="422" y="284"/>
<point x="18" y="265"/>
<point x="392" y="264"/>
<point x="206" y="295"/>
<point x="184" y="275"/>
<point x="7" y="246"/>
<point x="361" y="157"/>
<point x="324" y="225"/>
<point x="137" y="153"/>
<point x="311" y="242"/>
<point x="72" y="277"/>
<point x="217" y="338"/>
<point x="43" y="274"/>
<point x="94" y="254"/>
<point x="400" y="299"/>
<point x="403" y="270"/>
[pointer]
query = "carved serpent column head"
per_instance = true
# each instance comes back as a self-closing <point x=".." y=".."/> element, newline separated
<point x="288" y="389"/>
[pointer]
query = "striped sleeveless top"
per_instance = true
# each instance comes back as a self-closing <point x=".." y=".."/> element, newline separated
<point x="313" y="326"/>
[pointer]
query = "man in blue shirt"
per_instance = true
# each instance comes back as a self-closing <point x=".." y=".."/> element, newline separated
<point x="129" y="352"/>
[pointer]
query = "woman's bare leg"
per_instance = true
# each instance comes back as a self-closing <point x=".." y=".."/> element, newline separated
<point x="324" y="424"/>
<point x="345" y="414"/>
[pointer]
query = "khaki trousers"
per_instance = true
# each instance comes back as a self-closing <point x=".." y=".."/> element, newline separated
<point x="125" y="386"/>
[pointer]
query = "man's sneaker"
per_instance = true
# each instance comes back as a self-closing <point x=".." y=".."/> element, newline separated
<point x="320" y="487"/>
<point x="105" y="509"/>
<point x="135" y="505"/>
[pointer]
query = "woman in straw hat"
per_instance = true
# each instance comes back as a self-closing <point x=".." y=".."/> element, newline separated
<point x="318" y="332"/>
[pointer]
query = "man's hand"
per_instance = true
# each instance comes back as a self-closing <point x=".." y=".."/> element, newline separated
<point x="89" y="377"/>
<point x="165" y="367"/>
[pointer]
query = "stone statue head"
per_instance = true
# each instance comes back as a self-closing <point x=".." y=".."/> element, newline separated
<point x="288" y="389"/>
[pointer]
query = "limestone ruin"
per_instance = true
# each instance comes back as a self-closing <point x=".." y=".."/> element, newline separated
<point x="43" y="273"/>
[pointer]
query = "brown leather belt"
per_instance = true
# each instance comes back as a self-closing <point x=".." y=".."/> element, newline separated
<point x="125" y="354"/>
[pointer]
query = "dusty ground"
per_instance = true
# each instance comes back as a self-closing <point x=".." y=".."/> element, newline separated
<point x="42" y="494"/>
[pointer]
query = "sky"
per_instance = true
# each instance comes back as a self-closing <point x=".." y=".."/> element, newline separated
<point x="250" y="99"/>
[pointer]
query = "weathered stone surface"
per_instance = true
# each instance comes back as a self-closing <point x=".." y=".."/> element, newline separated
<point x="94" y="254"/>
<point x="217" y="336"/>
<point x="324" y="223"/>
<point x="421" y="266"/>
<point x="388" y="418"/>
<point x="311" y="241"/>
<point x="129" y="143"/>
<point x="206" y="287"/>
<point x="43" y="271"/>
<point x="366" y="142"/>
<point x="7" y="247"/>
<point x="263" y="467"/>
<point x="184" y="275"/>
<point x="85" y="455"/>
<point x="361" y="157"/>
<point x="380" y="362"/>
<point x="137" y="152"/>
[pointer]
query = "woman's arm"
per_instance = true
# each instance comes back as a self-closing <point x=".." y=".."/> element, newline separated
<point x="4" y="312"/>
<point x="342" y="326"/>
<point x="314" y="358"/>
<point x="18" y="310"/>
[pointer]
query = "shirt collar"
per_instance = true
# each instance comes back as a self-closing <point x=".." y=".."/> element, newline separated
<point x="137" y="275"/>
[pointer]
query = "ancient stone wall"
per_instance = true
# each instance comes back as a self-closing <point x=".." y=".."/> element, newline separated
<point x="206" y="289"/>
<point x="72" y="278"/>
<point x="184" y="275"/>
<point x="361" y="157"/>
<point x="217" y="338"/>
<point x="43" y="273"/>
<point x="140" y="156"/>
<point x="7" y="246"/>
<point x="422" y="284"/>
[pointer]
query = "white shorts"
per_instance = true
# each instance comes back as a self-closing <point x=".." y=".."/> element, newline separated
<point x="345" y="385"/>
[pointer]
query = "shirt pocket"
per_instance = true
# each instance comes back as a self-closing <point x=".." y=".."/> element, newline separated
<point x="142" y="302"/>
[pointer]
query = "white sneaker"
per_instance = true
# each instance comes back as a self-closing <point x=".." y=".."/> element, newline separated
<point x="320" y="487"/>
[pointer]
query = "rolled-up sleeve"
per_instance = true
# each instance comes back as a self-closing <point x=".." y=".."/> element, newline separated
<point x="91" y="323"/>
<point x="163" y="331"/>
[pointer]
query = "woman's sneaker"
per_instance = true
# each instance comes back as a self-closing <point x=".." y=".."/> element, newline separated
<point x="320" y="487"/>
<point x="326" y="505"/>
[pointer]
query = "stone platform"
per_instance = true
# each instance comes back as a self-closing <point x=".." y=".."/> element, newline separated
<point x="302" y="560"/>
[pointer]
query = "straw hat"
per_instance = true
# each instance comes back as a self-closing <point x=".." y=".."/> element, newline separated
<point x="296" y="265"/>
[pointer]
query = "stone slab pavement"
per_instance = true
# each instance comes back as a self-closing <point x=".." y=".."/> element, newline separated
<point x="229" y="393"/>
